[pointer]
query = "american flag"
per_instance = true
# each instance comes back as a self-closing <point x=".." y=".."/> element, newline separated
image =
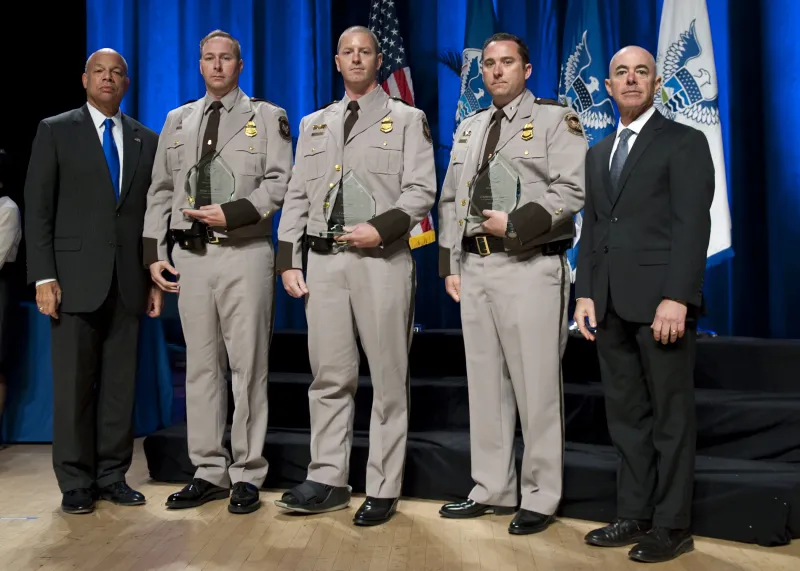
<point x="395" y="78"/>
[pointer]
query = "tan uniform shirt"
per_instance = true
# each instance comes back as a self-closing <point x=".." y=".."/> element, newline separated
<point x="545" y="144"/>
<point x="254" y="141"/>
<point x="389" y="150"/>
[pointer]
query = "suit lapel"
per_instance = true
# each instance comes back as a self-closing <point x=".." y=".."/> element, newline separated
<point x="131" y="147"/>
<point x="604" y="150"/>
<point x="94" y="147"/>
<point x="643" y="140"/>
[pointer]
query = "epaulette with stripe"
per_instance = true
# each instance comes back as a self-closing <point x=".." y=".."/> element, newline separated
<point x="544" y="101"/>
<point x="264" y="100"/>
<point x="481" y="110"/>
<point x="328" y="105"/>
<point x="401" y="100"/>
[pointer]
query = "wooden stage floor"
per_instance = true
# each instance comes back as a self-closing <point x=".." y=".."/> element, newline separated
<point x="35" y="534"/>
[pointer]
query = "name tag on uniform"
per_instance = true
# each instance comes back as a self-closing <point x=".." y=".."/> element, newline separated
<point x="464" y="136"/>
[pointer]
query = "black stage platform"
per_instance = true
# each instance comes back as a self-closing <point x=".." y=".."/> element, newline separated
<point x="748" y="444"/>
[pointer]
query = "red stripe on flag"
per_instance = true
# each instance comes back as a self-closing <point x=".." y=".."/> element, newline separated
<point x="402" y="85"/>
<point x="426" y="223"/>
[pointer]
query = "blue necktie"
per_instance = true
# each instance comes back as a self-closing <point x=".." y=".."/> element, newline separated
<point x="112" y="155"/>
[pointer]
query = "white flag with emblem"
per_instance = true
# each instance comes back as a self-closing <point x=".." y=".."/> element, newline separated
<point x="688" y="95"/>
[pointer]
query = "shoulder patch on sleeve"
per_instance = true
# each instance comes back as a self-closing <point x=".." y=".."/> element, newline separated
<point x="426" y="130"/>
<point x="545" y="101"/>
<point x="284" y="129"/>
<point x="573" y="123"/>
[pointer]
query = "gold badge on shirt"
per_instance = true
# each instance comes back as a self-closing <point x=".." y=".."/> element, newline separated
<point x="250" y="129"/>
<point x="527" y="132"/>
<point x="386" y="125"/>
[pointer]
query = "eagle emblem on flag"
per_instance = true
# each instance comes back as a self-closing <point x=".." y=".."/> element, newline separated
<point x="687" y="87"/>
<point x="582" y="91"/>
<point x="473" y="93"/>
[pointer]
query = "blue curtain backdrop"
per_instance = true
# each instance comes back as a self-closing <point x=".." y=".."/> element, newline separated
<point x="288" y="49"/>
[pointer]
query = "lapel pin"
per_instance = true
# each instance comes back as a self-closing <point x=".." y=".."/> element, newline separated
<point x="137" y="139"/>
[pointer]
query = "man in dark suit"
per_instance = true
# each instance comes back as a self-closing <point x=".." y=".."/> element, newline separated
<point x="646" y="228"/>
<point x="85" y="197"/>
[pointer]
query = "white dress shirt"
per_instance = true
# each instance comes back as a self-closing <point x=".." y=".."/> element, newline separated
<point x="98" y="119"/>
<point x="10" y="230"/>
<point x="635" y="126"/>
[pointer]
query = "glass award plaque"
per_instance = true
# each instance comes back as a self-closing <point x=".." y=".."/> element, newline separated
<point x="357" y="205"/>
<point x="494" y="187"/>
<point x="210" y="181"/>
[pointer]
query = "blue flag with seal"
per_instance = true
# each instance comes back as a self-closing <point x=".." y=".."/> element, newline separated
<point x="481" y="24"/>
<point x="585" y="57"/>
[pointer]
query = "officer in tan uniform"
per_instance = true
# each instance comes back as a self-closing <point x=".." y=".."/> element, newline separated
<point x="225" y="269"/>
<point x="360" y="283"/>
<point x="509" y="273"/>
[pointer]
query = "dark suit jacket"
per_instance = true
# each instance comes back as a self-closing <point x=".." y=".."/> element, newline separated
<point x="651" y="243"/>
<point x="75" y="230"/>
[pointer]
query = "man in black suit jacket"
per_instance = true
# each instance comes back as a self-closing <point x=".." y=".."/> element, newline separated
<point x="85" y="198"/>
<point x="641" y="263"/>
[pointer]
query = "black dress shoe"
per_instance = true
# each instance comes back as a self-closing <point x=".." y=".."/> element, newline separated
<point x="80" y="501"/>
<point x="121" y="494"/>
<point x="315" y="498"/>
<point x="618" y="533"/>
<point x="244" y="499"/>
<point x="527" y="522"/>
<point x="196" y="494"/>
<point x="375" y="511"/>
<point x="662" y="544"/>
<point x="469" y="508"/>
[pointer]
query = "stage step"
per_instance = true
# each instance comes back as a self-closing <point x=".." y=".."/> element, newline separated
<point x="737" y="500"/>
<point x="731" y="424"/>
<point x="725" y="363"/>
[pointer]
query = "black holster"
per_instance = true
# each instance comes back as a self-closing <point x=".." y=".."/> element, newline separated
<point x="194" y="239"/>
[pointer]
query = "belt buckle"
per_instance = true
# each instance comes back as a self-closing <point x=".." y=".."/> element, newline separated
<point x="210" y="235"/>
<point x="483" y="245"/>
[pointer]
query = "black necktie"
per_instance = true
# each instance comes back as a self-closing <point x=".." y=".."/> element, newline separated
<point x="337" y="215"/>
<point x="351" y="119"/>
<point x="618" y="162"/>
<point x="209" y="145"/>
<point x="494" y="136"/>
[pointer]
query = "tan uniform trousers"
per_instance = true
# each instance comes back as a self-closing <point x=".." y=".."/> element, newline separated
<point x="370" y="295"/>
<point x="514" y="322"/>
<point x="225" y="303"/>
